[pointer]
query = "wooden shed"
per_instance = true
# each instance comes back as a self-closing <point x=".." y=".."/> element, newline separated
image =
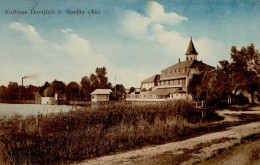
<point x="100" y="95"/>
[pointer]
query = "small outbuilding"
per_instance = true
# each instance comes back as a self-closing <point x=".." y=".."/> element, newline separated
<point x="100" y="95"/>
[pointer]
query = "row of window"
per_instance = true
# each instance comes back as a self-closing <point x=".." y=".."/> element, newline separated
<point x="176" y="71"/>
<point x="172" y="82"/>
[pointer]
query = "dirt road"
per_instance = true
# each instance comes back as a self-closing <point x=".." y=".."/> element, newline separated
<point x="247" y="153"/>
<point x="192" y="150"/>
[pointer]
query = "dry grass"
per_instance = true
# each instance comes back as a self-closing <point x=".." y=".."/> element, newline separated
<point x="94" y="131"/>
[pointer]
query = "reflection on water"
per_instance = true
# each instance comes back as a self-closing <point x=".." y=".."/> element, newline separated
<point x="31" y="109"/>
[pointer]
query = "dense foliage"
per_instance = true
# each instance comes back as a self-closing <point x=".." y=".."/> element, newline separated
<point x="242" y="73"/>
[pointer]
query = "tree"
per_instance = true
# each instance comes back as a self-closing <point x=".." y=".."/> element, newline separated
<point x="132" y="89"/>
<point x="13" y="91"/>
<point x="58" y="86"/>
<point x="94" y="82"/>
<point x="48" y="92"/>
<point x="119" y="90"/>
<point x="194" y="86"/>
<point x="3" y="93"/>
<point x="99" y="80"/>
<point x="29" y="93"/>
<point x="72" y="90"/>
<point x="42" y="88"/>
<point x="245" y="68"/>
<point x="241" y="73"/>
<point x="103" y="80"/>
<point x="85" y="87"/>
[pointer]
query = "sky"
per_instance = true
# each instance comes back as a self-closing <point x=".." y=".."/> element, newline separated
<point x="133" y="39"/>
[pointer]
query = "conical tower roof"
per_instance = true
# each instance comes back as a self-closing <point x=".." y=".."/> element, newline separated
<point x="191" y="49"/>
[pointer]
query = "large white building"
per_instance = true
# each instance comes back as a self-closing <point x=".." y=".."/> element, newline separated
<point x="173" y="81"/>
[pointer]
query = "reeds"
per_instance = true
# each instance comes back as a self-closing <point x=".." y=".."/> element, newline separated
<point x="94" y="131"/>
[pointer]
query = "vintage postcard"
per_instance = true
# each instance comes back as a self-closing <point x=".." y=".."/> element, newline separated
<point x="129" y="82"/>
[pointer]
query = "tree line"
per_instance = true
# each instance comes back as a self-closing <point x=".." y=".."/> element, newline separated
<point x="242" y="73"/>
<point x="73" y="90"/>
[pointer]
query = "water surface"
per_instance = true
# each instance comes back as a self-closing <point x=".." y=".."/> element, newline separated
<point x="31" y="109"/>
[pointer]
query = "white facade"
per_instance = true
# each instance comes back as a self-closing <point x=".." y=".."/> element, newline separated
<point x="47" y="100"/>
<point x="100" y="97"/>
<point x="147" y="85"/>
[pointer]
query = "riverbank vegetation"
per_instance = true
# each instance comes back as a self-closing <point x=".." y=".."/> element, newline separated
<point x="97" y="130"/>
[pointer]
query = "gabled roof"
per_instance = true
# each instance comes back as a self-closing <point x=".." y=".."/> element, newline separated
<point x="101" y="92"/>
<point x="185" y="68"/>
<point x="179" y="65"/>
<point x="191" y="49"/>
<point x="151" y="79"/>
<point x="202" y="66"/>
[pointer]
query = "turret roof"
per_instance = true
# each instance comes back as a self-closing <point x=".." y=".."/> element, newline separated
<point x="191" y="49"/>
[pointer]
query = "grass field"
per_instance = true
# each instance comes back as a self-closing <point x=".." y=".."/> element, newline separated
<point x="95" y="131"/>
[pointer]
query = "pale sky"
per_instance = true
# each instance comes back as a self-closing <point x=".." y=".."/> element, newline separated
<point x="133" y="39"/>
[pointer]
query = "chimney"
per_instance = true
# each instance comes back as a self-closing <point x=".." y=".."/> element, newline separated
<point x="179" y="60"/>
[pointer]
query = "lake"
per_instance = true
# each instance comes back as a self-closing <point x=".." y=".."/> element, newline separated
<point x="31" y="109"/>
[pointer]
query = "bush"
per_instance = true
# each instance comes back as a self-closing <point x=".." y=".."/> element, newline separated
<point x="93" y="131"/>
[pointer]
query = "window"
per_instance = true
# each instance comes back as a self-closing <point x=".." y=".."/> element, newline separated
<point x="179" y="81"/>
<point x="168" y="82"/>
<point x="183" y="81"/>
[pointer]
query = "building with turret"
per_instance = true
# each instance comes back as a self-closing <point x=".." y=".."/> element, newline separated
<point x="173" y="81"/>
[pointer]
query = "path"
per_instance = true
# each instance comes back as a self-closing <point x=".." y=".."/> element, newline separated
<point x="188" y="151"/>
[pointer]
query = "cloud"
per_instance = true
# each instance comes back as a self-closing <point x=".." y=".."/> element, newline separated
<point x="76" y="46"/>
<point x="139" y="26"/>
<point x="66" y="30"/>
<point x="135" y="24"/>
<point x="28" y="32"/>
<point x="67" y="59"/>
<point x="174" y="45"/>
<point x="156" y="13"/>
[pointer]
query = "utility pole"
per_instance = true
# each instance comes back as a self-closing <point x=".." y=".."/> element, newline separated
<point x="115" y="83"/>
